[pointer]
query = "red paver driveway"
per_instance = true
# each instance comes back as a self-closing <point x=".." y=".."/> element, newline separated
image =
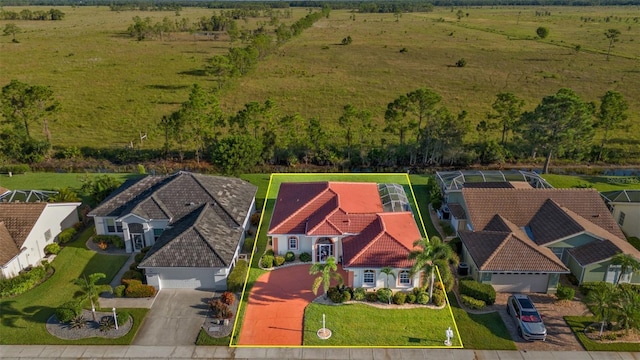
<point x="276" y="306"/>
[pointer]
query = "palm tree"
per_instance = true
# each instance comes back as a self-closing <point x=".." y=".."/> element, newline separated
<point x="387" y="270"/>
<point x="89" y="290"/>
<point x="601" y="300"/>
<point x="64" y="195"/>
<point x="432" y="253"/>
<point x="328" y="271"/>
<point x="627" y="309"/>
<point x="627" y="264"/>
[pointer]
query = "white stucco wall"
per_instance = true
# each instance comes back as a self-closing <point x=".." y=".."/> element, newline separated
<point x="381" y="280"/>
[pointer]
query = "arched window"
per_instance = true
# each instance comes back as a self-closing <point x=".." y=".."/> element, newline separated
<point x="369" y="278"/>
<point x="404" y="278"/>
<point x="293" y="243"/>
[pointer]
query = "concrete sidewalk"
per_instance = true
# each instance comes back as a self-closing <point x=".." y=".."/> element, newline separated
<point x="212" y="352"/>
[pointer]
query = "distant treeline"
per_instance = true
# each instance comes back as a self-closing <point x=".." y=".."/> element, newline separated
<point x="26" y="14"/>
<point x="364" y="6"/>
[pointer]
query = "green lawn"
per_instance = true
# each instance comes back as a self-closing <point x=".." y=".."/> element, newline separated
<point x="578" y="324"/>
<point x="24" y="316"/>
<point x="600" y="183"/>
<point x="50" y="181"/>
<point x="364" y="325"/>
<point x="481" y="331"/>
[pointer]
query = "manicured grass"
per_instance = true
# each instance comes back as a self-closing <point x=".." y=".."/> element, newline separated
<point x="364" y="325"/>
<point x="421" y="192"/>
<point x="51" y="181"/>
<point x="579" y="323"/>
<point x="205" y="339"/>
<point x="481" y="331"/>
<point x="24" y="316"/>
<point x="600" y="183"/>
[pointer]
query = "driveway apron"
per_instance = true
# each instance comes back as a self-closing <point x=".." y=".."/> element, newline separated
<point x="175" y="318"/>
<point x="275" y="310"/>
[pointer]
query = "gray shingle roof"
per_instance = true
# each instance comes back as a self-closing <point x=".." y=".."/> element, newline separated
<point x="552" y="223"/>
<point x="200" y="239"/>
<point x="594" y="251"/>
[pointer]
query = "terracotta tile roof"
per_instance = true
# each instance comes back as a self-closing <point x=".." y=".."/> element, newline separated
<point x="521" y="205"/>
<point x="387" y="241"/>
<point x="504" y="251"/>
<point x="8" y="247"/>
<point x="594" y="251"/>
<point x="302" y="207"/>
<point x="203" y="238"/>
<point x="174" y="196"/>
<point x="19" y="218"/>
<point x="457" y="211"/>
<point x="3" y="190"/>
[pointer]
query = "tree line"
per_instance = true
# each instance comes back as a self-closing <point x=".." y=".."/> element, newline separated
<point x="26" y="14"/>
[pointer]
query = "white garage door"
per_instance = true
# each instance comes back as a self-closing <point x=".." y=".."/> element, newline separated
<point x="187" y="279"/>
<point x="525" y="282"/>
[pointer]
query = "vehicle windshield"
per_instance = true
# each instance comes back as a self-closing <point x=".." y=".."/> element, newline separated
<point x="530" y="316"/>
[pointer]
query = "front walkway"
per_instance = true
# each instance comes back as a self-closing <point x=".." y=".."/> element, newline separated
<point x="275" y="310"/>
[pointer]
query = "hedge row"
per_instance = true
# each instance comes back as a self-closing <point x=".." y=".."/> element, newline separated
<point x="235" y="280"/>
<point x="472" y="303"/>
<point x="476" y="290"/>
<point x="23" y="282"/>
<point x="15" y="169"/>
<point x="67" y="235"/>
<point x="136" y="289"/>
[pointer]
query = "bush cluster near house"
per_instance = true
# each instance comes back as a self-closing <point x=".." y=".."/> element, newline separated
<point x="235" y="280"/>
<point x="52" y="249"/>
<point x="477" y="291"/>
<point x="114" y="240"/>
<point x="565" y="292"/>
<point x="136" y="289"/>
<point x="341" y="294"/>
<point x="67" y="235"/>
<point x="24" y="282"/>
<point x="68" y="311"/>
<point x="220" y="308"/>
<point x="270" y="259"/>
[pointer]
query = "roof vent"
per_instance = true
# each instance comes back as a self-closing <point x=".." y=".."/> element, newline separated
<point x="191" y="203"/>
<point x="596" y="215"/>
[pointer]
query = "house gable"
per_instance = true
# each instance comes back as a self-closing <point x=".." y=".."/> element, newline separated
<point x="8" y="247"/>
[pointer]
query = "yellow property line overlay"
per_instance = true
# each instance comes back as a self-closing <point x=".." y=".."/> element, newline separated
<point x="244" y="289"/>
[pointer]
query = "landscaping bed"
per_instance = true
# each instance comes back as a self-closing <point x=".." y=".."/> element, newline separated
<point x="91" y="329"/>
<point x="589" y="339"/>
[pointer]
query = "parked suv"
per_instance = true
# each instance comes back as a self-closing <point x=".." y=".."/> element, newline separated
<point x="527" y="318"/>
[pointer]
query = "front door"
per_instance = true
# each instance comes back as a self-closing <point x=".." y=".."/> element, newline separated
<point x="324" y="251"/>
<point x="138" y="241"/>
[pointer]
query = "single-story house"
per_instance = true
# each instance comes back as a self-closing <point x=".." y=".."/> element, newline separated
<point x="521" y="240"/>
<point x="25" y="230"/>
<point x="365" y="226"/>
<point x="195" y="225"/>
<point x="625" y="208"/>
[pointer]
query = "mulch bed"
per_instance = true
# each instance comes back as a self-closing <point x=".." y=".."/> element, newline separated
<point x="592" y="332"/>
<point x="216" y="327"/>
<point x="91" y="329"/>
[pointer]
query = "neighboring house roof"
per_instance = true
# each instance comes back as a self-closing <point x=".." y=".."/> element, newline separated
<point x="506" y="251"/>
<point x="489" y="185"/>
<point x="594" y="252"/>
<point x="385" y="242"/>
<point x="174" y="196"/>
<point x="17" y="221"/>
<point x="521" y="205"/>
<point x="629" y="196"/>
<point x="323" y="206"/>
<point x="457" y="211"/>
<point x="203" y="238"/>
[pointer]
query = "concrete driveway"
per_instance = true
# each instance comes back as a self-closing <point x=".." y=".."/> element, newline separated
<point x="175" y="318"/>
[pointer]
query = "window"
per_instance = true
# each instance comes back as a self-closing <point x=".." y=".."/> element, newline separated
<point x="404" y="278"/>
<point x="621" y="218"/>
<point x="293" y="243"/>
<point x="369" y="277"/>
<point x="113" y="226"/>
<point x="157" y="233"/>
<point x="47" y="235"/>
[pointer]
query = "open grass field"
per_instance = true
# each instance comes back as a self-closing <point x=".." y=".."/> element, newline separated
<point x="24" y="316"/>
<point x="112" y="87"/>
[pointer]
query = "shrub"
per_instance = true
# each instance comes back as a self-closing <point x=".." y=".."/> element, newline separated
<point x="266" y="261"/>
<point x="542" y="32"/>
<point x="305" y="257"/>
<point x="385" y="295"/>
<point x="15" y="169"/>
<point x="347" y="41"/>
<point x="22" y="283"/>
<point x="359" y="294"/>
<point x="346" y="294"/>
<point x="140" y="290"/>
<point x="134" y="266"/>
<point x="399" y="298"/>
<point x="289" y="256"/>
<point x="472" y="303"/>
<point x="248" y="245"/>
<point x="371" y="296"/>
<point x="139" y="256"/>
<point x="67" y="235"/>
<point x="64" y="315"/>
<point x="270" y="252"/>
<point x="411" y="298"/>
<point x="118" y="291"/>
<point x="115" y="240"/>
<point x="52" y="249"/>
<point x="132" y="274"/>
<point x="334" y="295"/>
<point x="123" y="317"/>
<point x="235" y="280"/>
<point x="438" y="298"/>
<point x="78" y="322"/>
<point x="461" y="63"/>
<point x="129" y="282"/>
<point x="255" y="219"/>
<point x="447" y="229"/>
<point x="484" y="292"/>
<point x="228" y="298"/>
<point x="107" y="323"/>
<point x="219" y="309"/>
<point x="565" y="292"/>
<point x="279" y="260"/>
<point x="586" y="287"/>
<point x="422" y="298"/>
